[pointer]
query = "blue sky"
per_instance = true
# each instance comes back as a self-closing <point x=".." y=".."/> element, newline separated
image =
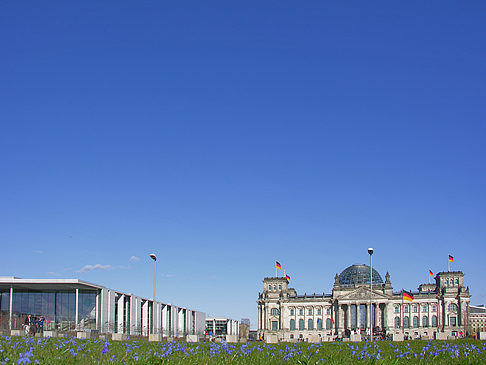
<point x="225" y="136"/>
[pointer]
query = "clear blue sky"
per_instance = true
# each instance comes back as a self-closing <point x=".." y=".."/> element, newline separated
<point x="224" y="136"/>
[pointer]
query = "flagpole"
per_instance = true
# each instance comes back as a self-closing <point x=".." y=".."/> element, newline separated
<point x="448" y="264"/>
<point x="402" y="312"/>
<point x="275" y="268"/>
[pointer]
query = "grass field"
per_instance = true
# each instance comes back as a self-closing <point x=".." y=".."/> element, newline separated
<point x="30" y="350"/>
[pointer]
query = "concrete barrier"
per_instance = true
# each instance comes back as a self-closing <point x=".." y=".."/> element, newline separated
<point x="398" y="337"/>
<point x="355" y="337"/>
<point x="441" y="336"/>
<point x="83" y="335"/>
<point x="17" y="333"/>
<point x="119" y="336"/>
<point x="49" y="334"/>
<point x="192" y="338"/>
<point x="231" y="338"/>
<point x="155" y="337"/>
<point x="271" y="338"/>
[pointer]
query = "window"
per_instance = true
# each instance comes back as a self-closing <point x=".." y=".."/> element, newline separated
<point x="397" y="322"/>
<point x="452" y="321"/>
<point x="291" y="337"/>
<point x="425" y="321"/>
<point x="406" y="322"/>
<point x="452" y="307"/>
<point x="274" y="312"/>
<point x="434" y="321"/>
<point x="405" y="309"/>
<point x="301" y="312"/>
<point x="280" y="287"/>
<point x="292" y="324"/>
<point x="269" y="287"/>
<point x="274" y="287"/>
<point x="457" y="282"/>
<point x="328" y="310"/>
<point x="292" y="312"/>
<point x="415" y="308"/>
<point x="434" y="308"/>
<point x="319" y="311"/>
<point x="301" y="324"/>
<point x="274" y="325"/>
<point x="415" y="322"/>
<point x="310" y="324"/>
<point x="310" y="312"/>
<point x="424" y="308"/>
<point x="397" y="309"/>
<point x="319" y="324"/>
<point x="328" y="324"/>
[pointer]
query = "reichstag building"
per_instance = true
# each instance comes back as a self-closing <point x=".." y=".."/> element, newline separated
<point x="437" y="311"/>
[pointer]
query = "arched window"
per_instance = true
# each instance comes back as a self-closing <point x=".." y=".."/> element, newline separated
<point x="328" y="324"/>
<point x="274" y="312"/>
<point x="415" y="322"/>
<point x="275" y="287"/>
<point x="269" y="287"/>
<point x="425" y="321"/>
<point x="280" y="287"/>
<point x="434" y="321"/>
<point x="292" y="324"/>
<point x="452" y="307"/>
<point x="457" y="282"/>
<point x="319" y="324"/>
<point x="397" y="322"/>
<point x="310" y="324"/>
<point x="406" y="322"/>
<point x="301" y="324"/>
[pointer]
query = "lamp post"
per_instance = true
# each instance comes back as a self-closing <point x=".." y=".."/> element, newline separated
<point x="153" y="257"/>
<point x="370" y="251"/>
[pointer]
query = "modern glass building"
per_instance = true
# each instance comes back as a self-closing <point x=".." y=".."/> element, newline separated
<point x="75" y="305"/>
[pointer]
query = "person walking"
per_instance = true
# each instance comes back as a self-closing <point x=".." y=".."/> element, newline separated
<point x="27" y="324"/>
<point x="40" y="324"/>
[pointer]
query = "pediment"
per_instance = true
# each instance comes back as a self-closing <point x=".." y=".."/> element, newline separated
<point x="361" y="293"/>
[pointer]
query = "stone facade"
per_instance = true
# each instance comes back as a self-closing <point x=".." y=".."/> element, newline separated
<point x="438" y="310"/>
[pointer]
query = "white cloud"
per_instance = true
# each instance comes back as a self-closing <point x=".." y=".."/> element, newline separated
<point x="38" y="251"/>
<point x="87" y="268"/>
<point x="134" y="258"/>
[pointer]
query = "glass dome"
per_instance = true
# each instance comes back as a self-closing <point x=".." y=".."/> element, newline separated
<point x="358" y="275"/>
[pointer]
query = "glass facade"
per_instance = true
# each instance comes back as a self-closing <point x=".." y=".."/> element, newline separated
<point x="58" y="308"/>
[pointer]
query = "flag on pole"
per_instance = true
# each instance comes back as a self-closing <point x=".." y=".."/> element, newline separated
<point x="277" y="265"/>
<point x="431" y="273"/>
<point x="407" y="296"/>
<point x="288" y="278"/>
<point x="451" y="258"/>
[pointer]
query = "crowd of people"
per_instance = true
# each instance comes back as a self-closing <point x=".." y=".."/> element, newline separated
<point x="33" y="325"/>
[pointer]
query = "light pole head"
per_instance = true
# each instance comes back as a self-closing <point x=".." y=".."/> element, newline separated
<point x="153" y="257"/>
<point x="370" y="250"/>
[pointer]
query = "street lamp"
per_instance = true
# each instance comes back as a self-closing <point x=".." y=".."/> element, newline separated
<point x="370" y="251"/>
<point x="153" y="257"/>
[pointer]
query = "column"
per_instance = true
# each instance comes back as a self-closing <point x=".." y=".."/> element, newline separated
<point x="10" y="308"/>
<point x="348" y="316"/>
<point x="76" y="315"/>
<point x="358" y="317"/>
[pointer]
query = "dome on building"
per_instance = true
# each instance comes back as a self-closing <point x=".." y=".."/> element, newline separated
<point x="358" y="275"/>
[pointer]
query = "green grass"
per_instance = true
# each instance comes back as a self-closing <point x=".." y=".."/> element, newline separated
<point x="19" y="350"/>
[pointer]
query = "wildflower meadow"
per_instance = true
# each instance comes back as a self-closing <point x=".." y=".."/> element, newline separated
<point x="32" y="350"/>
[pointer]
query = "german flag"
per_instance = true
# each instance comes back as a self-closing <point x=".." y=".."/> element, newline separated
<point x="277" y="265"/>
<point x="431" y="273"/>
<point x="407" y="296"/>
<point x="451" y="258"/>
<point x="288" y="278"/>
